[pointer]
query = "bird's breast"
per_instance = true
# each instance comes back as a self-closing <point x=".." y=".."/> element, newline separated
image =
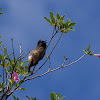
<point x="29" y="57"/>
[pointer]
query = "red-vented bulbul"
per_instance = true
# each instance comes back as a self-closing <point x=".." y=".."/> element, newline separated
<point x="37" y="54"/>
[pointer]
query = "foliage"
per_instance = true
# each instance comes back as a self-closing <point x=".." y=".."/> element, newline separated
<point x="58" y="22"/>
<point x="0" y="12"/>
<point x="88" y="51"/>
<point x="54" y="96"/>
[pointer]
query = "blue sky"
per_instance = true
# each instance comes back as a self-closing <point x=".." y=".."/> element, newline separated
<point x="23" y="21"/>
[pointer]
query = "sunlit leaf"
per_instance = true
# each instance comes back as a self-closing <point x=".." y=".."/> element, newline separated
<point x="52" y="96"/>
<point x="58" y="95"/>
<point x="0" y="43"/>
<point x="22" y="88"/>
<point x="28" y="97"/>
<point x="14" y="97"/>
<point x="71" y="24"/>
<point x="25" y="62"/>
<point x="51" y="14"/>
<point x="17" y="98"/>
<point x="5" y="49"/>
<point x="1" y="91"/>
<point x="11" y="80"/>
<point x="88" y="47"/>
<point x="61" y="18"/>
<point x="1" y="9"/>
<point x="2" y="85"/>
<point x="47" y="20"/>
<point x="61" y="97"/>
<point x="57" y="15"/>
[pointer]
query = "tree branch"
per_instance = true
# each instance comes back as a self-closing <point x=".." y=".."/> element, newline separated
<point x="56" y="68"/>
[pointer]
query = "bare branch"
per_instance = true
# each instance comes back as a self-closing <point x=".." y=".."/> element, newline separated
<point x="13" y="47"/>
<point x="52" y="38"/>
<point x="20" y="49"/>
<point x="55" y="69"/>
<point x="22" y="54"/>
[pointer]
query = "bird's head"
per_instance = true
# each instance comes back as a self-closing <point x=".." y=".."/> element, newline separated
<point x="42" y="43"/>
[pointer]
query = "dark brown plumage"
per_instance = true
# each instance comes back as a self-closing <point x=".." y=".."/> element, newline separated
<point x="37" y="54"/>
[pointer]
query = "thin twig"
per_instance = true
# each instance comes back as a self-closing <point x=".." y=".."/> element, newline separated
<point x="22" y="54"/>
<point x="52" y="38"/>
<point x="13" y="47"/>
<point x="20" y="49"/>
<point x="3" y="75"/>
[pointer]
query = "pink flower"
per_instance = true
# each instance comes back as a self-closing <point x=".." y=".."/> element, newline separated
<point x="15" y="77"/>
<point x="98" y="55"/>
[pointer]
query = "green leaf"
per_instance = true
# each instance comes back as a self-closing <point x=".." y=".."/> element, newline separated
<point x="48" y="57"/>
<point x="1" y="91"/>
<point x="28" y="97"/>
<point x="90" y="52"/>
<point x="62" y="97"/>
<point x="20" y="62"/>
<point x="58" y="95"/>
<point x="9" y="55"/>
<point x="88" y="47"/>
<point x="68" y="22"/>
<point x="0" y="57"/>
<point x="1" y="9"/>
<point x="47" y="20"/>
<point x="22" y="88"/>
<point x="2" y="85"/>
<point x="17" y="98"/>
<point x="5" y="49"/>
<point x="0" y="43"/>
<point x="61" y="18"/>
<point x="25" y="62"/>
<point x="71" y="24"/>
<point x="0" y="75"/>
<point x="61" y="22"/>
<point x="57" y="15"/>
<point x="52" y="96"/>
<point x="14" y="97"/>
<point x="52" y="17"/>
<point x="51" y="14"/>
<point x="85" y="51"/>
<point x="11" y="80"/>
<point x="34" y="98"/>
<point x="1" y="13"/>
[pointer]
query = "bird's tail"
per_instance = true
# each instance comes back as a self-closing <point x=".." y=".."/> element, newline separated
<point x="28" y="68"/>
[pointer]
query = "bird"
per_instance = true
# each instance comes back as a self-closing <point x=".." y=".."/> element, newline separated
<point x="37" y="54"/>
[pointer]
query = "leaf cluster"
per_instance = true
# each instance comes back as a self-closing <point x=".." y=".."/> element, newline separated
<point x="55" y="96"/>
<point x="58" y="22"/>
<point x="88" y="51"/>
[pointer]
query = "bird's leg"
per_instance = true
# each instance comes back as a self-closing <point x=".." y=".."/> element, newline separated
<point x="34" y="68"/>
